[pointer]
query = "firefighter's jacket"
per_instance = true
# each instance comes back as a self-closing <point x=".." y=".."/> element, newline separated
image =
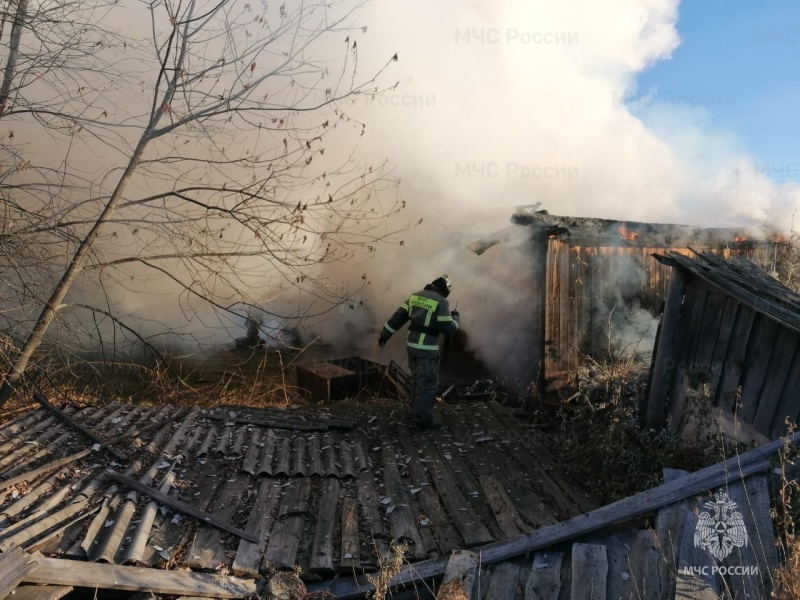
<point x="429" y="313"/>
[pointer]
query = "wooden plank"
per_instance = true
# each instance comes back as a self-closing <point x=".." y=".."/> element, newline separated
<point x="505" y="580"/>
<point x="756" y="363"/>
<point x="589" y="572"/>
<point x="462" y="474"/>
<point x="369" y="503"/>
<point x="285" y="538"/>
<point x="15" y="563"/>
<point x="645" y="556"/>
<point x="753" y="504"/>
<point x="350" y="555"/>
<point x="669" y="532"/>
<point x="41" y="592"/>
<point x="544" y="582"/>
<point x="619" y="583"/>
<point x="446" y="535"/>
<point x="562" y="270"/>
<point x="179" y="505"/>
<point x="617" y="512"/>
<point x="728" y="392"/>
<point x="57" y="571"/>
<point x="694" y="578"/>
<point x="462" y="567"/>
<point x="397" y="502"/>
<point x="259" y="523"/>
<point x="322" y="544"/>
<point x="720" y="354"/>
<point x="789" y="402"/>
<point x="666" y="353"/>
<point x="506" y="515"/>
<point x="207" y="551"/>
<point x="78" y="427"/>
<point x="783" y="354"/>
<point x="472" y="530"/>
<point x="686" y="337"/>
<point x="708" y="333"/>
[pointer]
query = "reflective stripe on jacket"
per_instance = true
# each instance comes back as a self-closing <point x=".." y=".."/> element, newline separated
<point x="429" y="315"/>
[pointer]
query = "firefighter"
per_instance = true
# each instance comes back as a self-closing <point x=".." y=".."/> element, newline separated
<point x="429" y="313"/>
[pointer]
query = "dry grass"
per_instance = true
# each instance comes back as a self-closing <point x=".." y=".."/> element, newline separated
<point x="787" y="518"/>
<point x="244" y="378"/>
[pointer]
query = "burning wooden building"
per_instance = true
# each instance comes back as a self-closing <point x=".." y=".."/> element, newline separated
<point x="600" y="289"/>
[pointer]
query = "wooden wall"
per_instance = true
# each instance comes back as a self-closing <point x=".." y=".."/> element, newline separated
<point x="748" y="364"/>
<point x="586" y="280"/>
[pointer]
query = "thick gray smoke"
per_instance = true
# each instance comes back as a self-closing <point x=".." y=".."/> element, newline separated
<point x="508" y="103"/>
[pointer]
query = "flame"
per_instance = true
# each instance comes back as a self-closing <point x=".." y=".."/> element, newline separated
<point x="740" y="238"/>
<point x="627" y="234"/>
<point x="780" y="239"/>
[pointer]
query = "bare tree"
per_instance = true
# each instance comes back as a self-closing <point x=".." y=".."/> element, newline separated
<point x="221" y="186"/>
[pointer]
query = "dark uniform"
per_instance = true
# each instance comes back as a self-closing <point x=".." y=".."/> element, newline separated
<point x="429" y="314"/>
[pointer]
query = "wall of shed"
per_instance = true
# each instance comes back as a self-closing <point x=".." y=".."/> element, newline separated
<point x="590" y="283"/>
<point x="740" y="360"/>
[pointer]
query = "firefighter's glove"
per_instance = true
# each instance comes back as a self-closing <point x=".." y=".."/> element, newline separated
<point x="382" y="341"/>
<point x="454" y="313"/>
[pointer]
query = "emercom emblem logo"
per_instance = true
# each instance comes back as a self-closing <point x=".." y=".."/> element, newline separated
<point x="721" y="529"/>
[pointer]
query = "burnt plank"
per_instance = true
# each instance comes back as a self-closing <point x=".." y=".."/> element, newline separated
<point x="259" y="523"/>
<point x="470" y="486"/>
<point x="350" y="551"/>
<point x="756" y="364"/>
<point x="472" y="530"/>
<point x="506" y="515"/>
<point x="786" y="344"/>
<point x="544" y="582"/>
<point x="589" y="572"/>
<point x="322" y="544"/>
<point x="397" y="502"/>
<point x="445" y="534"/>
<point x="286" y="531"/>
<point x="729" y="390"/>
<point x="207" y="551"/>
<point x="518" y="481"/>
<point x="532" y="453"/>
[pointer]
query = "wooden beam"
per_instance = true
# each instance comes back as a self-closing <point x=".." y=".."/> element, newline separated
<point x="57" y="571"/>
<point x="77" y="426"/>
<point x="180" y="506"/>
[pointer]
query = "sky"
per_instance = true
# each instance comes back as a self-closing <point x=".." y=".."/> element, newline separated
<point x="738" y="63"/>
